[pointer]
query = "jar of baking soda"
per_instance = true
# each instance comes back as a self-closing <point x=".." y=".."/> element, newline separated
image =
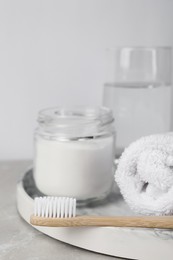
<point x="74" y="153"/>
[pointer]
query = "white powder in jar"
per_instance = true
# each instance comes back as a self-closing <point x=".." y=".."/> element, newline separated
<point x="81" y="169"/>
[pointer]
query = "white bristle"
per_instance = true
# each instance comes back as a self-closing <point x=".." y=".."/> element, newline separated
<point x="58" y="207"/>
<point x="62" y="207"/>
<point x="50" y="201"/>
<point x="55" y="207"/>
<point x="74" y="207"/>
<point x="66" y="207"/>
<point x="70" y="207"/>
<point x="43" y="206"/>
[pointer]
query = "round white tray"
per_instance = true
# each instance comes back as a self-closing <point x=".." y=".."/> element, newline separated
<point x="133" y="243"/>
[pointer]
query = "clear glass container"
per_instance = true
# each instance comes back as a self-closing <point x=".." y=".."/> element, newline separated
<point x="74" y="152"/>
<point x="138" y="90"/>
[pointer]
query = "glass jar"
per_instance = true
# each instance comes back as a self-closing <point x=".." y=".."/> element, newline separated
<point x="74" y="153"/>
<point x="138" y="90"/>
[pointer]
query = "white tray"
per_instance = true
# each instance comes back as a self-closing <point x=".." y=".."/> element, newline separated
<point x="133" y="243"/>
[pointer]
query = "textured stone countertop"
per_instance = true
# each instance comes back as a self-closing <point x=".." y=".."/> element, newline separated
<point x="20" y="241"/>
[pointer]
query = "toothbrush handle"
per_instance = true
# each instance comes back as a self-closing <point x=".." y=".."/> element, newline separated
<point x="118" y="221"/>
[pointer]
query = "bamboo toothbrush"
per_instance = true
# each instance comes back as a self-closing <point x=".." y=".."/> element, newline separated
<point x="61" y="212"/>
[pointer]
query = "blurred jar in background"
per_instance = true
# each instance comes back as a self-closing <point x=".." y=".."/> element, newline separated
<point x="138" y="90"/>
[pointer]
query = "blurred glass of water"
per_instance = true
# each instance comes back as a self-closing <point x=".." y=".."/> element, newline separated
<point x="138" y="90"/>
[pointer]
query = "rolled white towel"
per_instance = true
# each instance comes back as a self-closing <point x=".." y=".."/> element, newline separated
<point x="145" y="175"/>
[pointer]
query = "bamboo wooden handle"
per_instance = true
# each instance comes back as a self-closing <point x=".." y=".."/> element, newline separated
<point x="118" y="221"/>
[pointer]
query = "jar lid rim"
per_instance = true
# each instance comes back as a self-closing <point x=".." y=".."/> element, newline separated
<point x="78" y="115"/>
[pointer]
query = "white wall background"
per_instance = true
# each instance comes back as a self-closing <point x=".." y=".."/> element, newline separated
<point x="52" y="52"/>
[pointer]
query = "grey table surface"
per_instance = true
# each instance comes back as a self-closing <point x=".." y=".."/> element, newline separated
<point x="18" y="240"/>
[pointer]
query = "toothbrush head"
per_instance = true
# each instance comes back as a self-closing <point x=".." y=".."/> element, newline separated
<point x="55" y="207"/>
